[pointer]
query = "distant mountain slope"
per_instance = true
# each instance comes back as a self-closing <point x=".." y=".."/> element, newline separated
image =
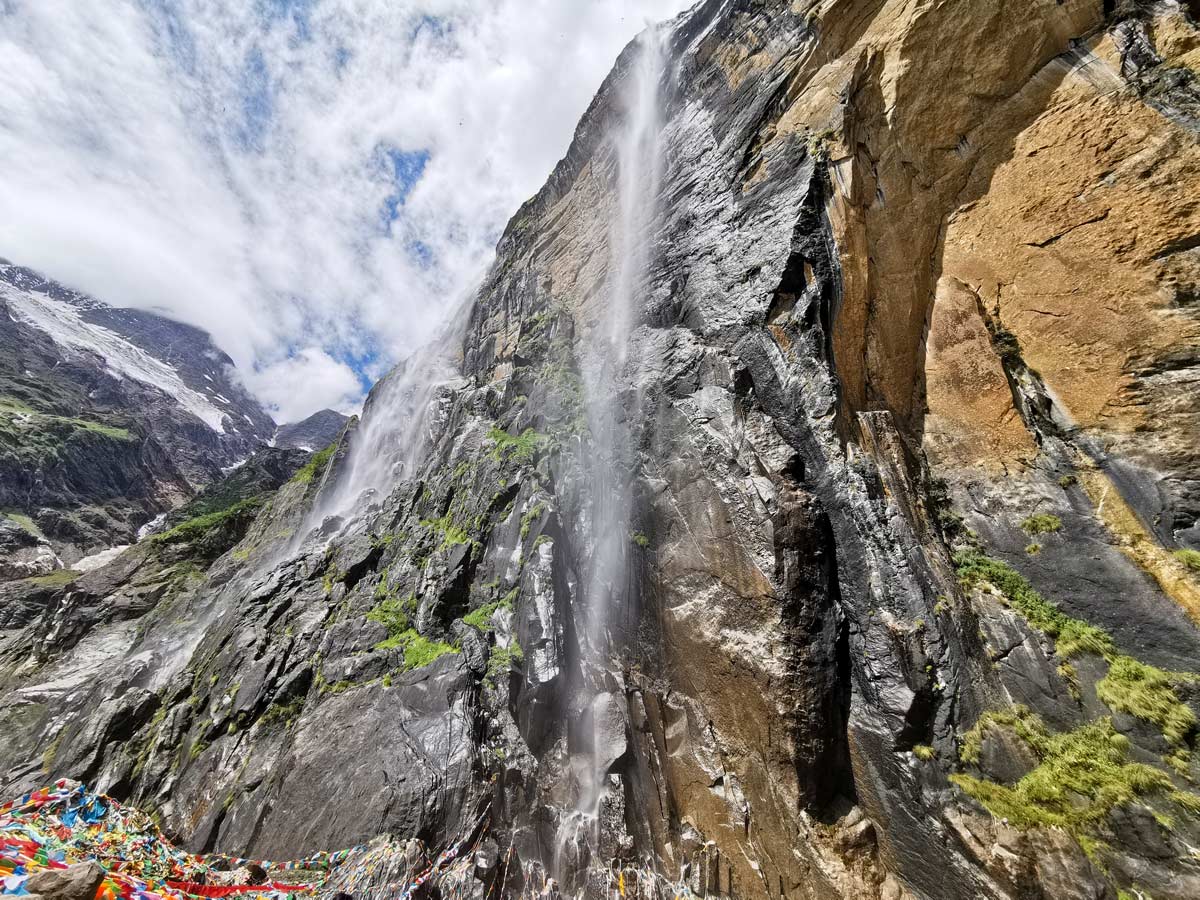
<point x="317" y="431"/>
<point x="108" y="416"/>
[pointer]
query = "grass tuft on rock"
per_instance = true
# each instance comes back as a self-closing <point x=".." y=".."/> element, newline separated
<point x="419" y="650"/>
<point x="282" y="713"/>
<point x="1041" y="523"/>
<point x="502" y="659"/>
<point x="1188" y="800"/>
<point x="482" y="618"/>
<point x="1190" y="558"/>
<point x="519" y="448"/>
<point x="1082" y="776"/>
<point x="1072" y="636"/>
<point x="1021" y="720"/>
<point x="394" y="613"/>
<point x="452" y="534"/>
<point x="1148" y="693"/>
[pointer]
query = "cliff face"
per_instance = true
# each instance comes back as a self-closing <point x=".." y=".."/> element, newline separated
<point x="796" y="508"/>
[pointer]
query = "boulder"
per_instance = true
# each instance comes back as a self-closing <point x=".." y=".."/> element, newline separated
<point x="77" y="882"/>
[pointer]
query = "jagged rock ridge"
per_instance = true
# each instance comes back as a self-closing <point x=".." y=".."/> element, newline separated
<point x="907" y="609"/>
<point x="313" y="433"/>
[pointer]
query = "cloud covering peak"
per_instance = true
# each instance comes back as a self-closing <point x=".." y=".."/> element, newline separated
<point x="315" y="182"/>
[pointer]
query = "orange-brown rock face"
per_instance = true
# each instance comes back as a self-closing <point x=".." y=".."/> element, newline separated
<point x="1080" y="246"/>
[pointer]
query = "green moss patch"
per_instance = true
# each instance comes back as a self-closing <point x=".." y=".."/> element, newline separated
<point x="1130" y="686"/>
<point x="502" y="659"/>
<point x="12" y="406"/>
<point x="482" y="618"/>
<point x="451" y="533"/>
<point x="394" y="613"/>
<point x="109" y="431"/>
<point x="198" y="526"/>
<point x="418" y="650"/>
<point x="531" y="515"/>
<point x="519" y="448"/>
<point x="282" y="713"/>
<point x="1081" y="776"/>
<point x="27" y="524"/>
<point x="1041" y="523"/>
<point x="57" y="578"/>
<point x="315" y="465"/>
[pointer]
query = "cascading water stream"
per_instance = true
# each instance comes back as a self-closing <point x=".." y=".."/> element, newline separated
<point x="612" y="397"/>
<point x="391" y="436"/>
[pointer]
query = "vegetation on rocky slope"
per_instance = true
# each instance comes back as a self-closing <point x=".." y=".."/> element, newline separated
<point x="518" y="448"/>
<point x="1083" y="774"/>
<point x="29" y="429"/>
<point x="315" y="466"/>
<point x="1041" y="523"/>
<point x="481" y="618"/>
<point x="419" y="651"/>
<point x="1130" y="685"/>
<point x="198" y="526"/>
<point x="1190" y="558"/>
<point x="787" y="592"/>
<point x="395" y="614"/>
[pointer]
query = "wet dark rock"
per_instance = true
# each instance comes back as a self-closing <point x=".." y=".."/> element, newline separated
<point x="606" y="722"/>
<point x="474" y="647"/>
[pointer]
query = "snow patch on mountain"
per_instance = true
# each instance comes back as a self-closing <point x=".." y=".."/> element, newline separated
<point x="122" y="359"/>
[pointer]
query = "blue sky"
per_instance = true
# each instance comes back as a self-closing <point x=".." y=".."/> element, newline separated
<point x="405" y="168"/>
<point x="315" y="182"/>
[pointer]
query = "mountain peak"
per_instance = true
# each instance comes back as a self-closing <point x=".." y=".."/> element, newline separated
<point x="314" y="432"/>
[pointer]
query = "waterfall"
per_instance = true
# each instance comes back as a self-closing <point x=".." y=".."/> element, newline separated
<point x="639" y="171"/>
<point x="392" y="435"/>
<point x="393" y="432"/>
<point x="612" y="399"/>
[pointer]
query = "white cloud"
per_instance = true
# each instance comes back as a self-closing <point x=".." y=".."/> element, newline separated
<point x="307" y="380"/>
<point x="227" y="162"/>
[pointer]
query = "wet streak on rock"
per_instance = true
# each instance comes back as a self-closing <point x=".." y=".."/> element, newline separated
<point x="806" y="571"/>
